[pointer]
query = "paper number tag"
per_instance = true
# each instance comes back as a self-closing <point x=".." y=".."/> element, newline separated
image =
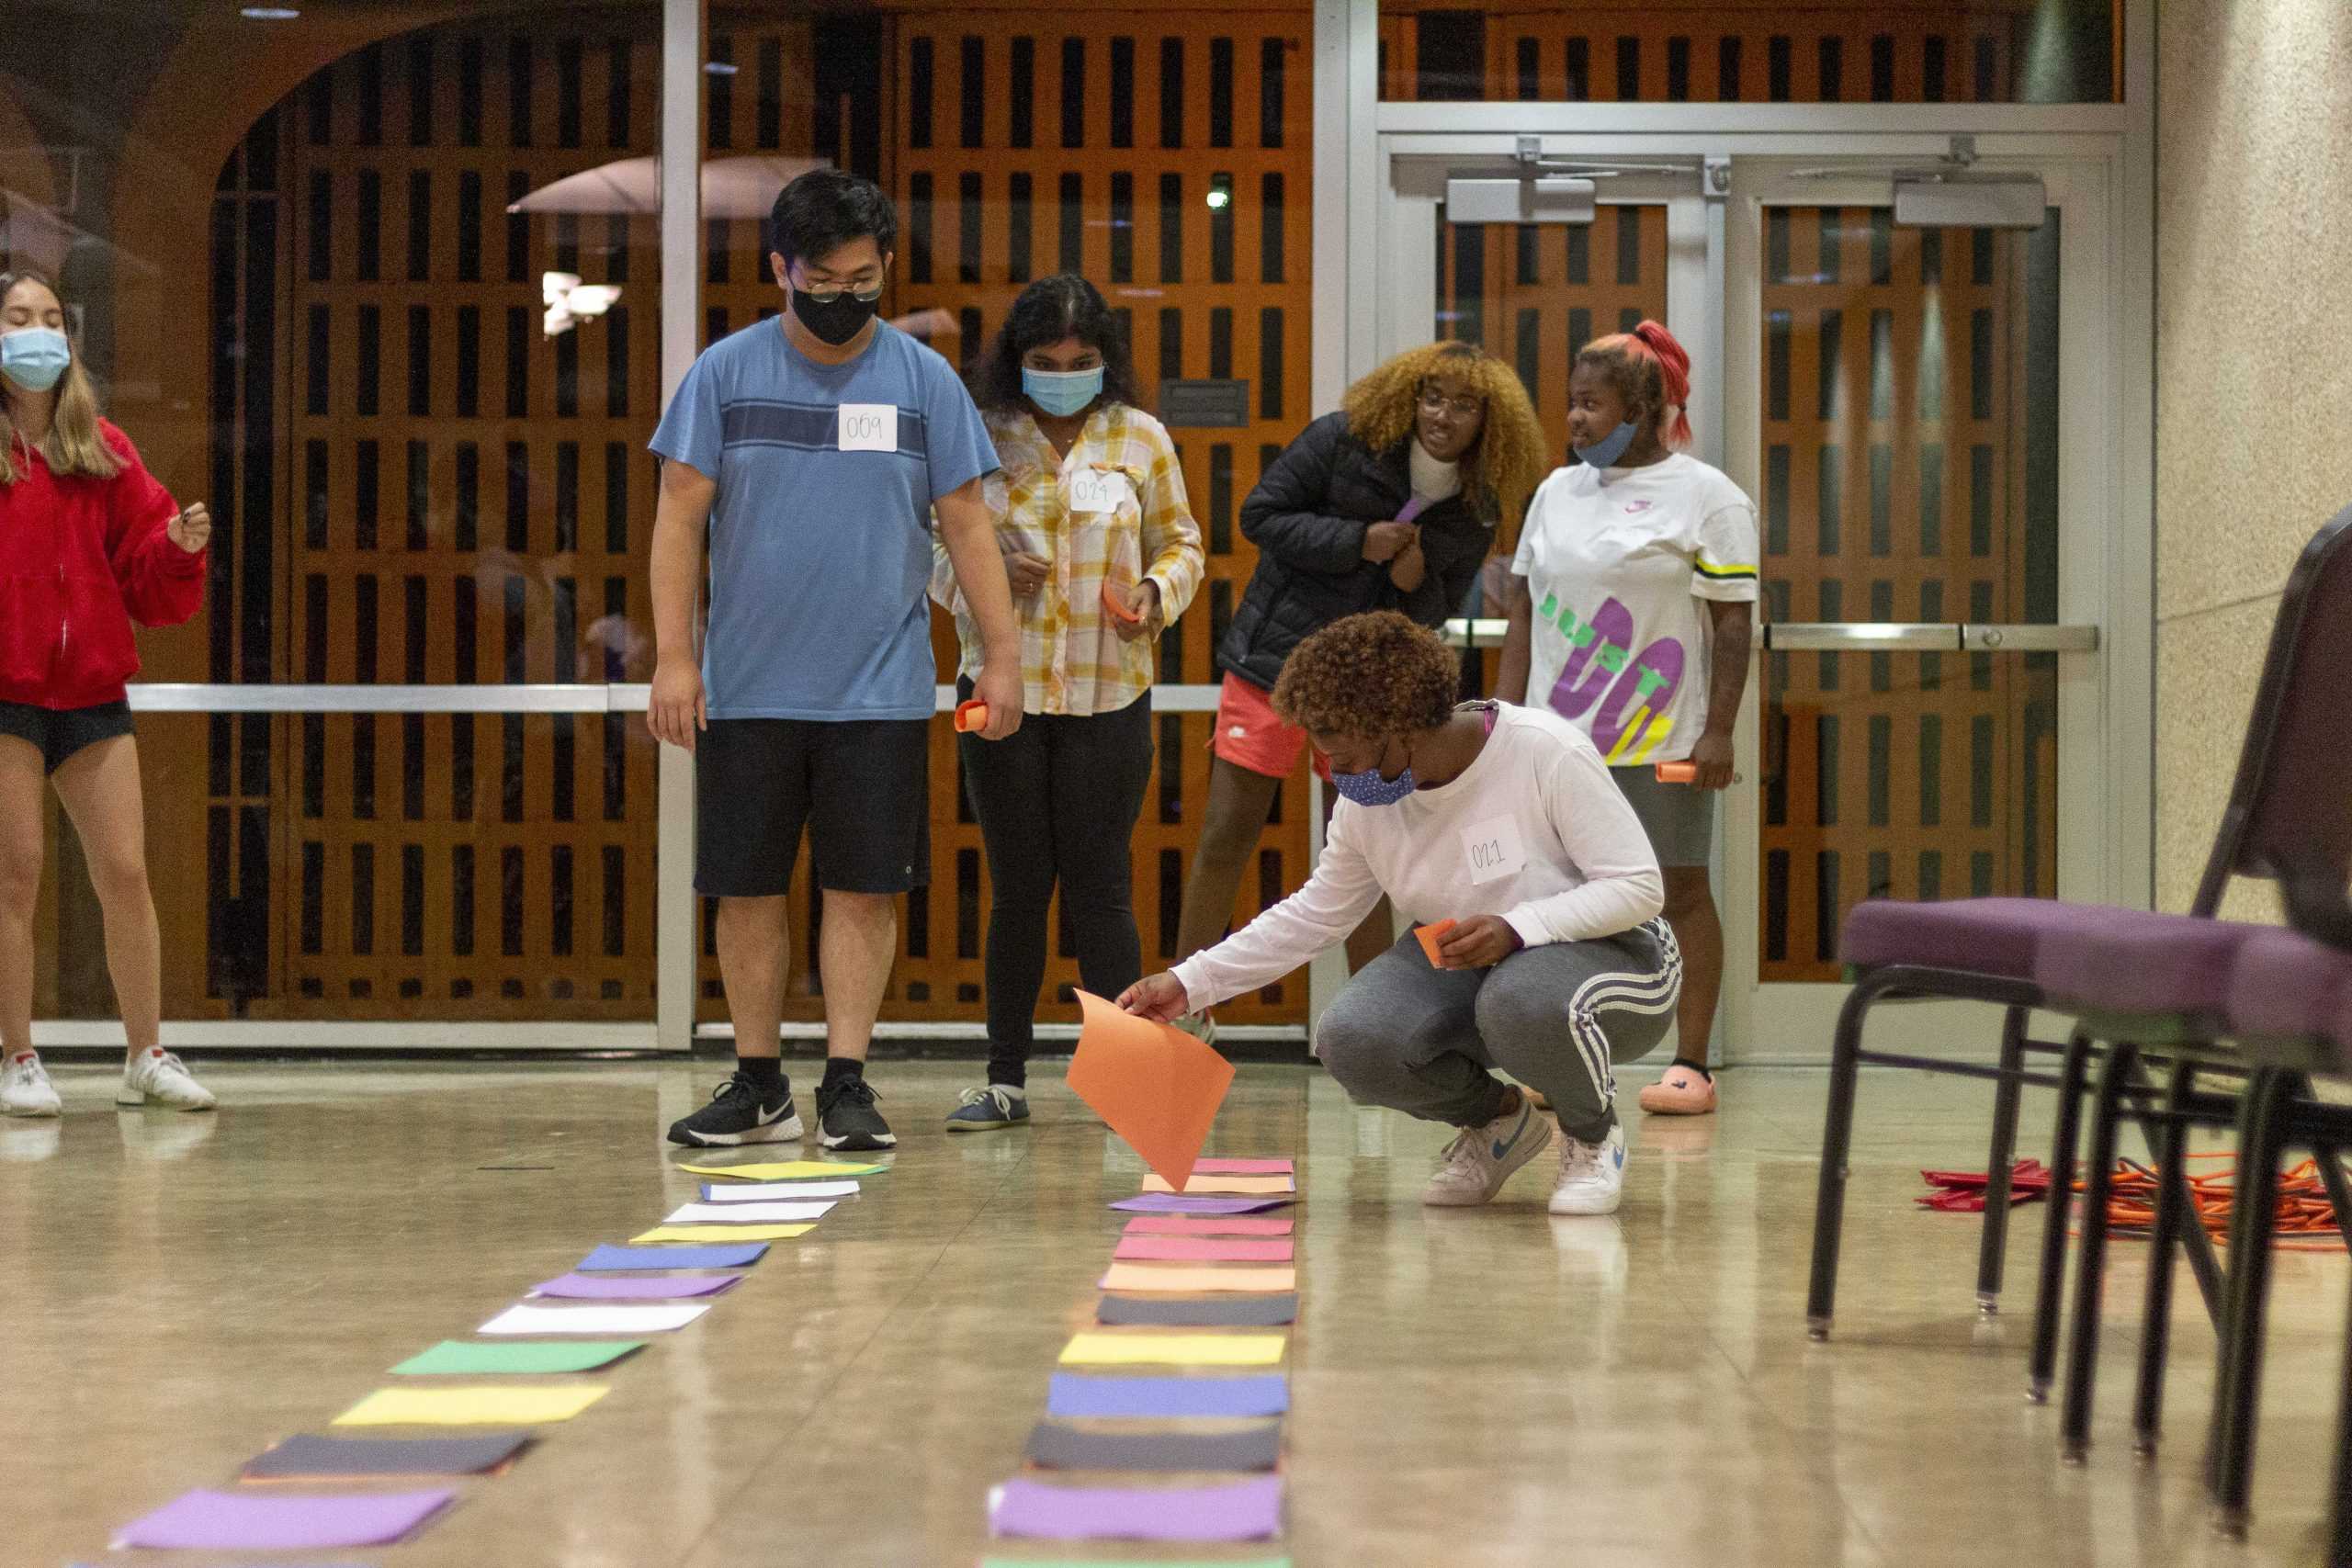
<point x="1493" y="849"/>
<point x="1093" y="490"/>
<point x="869" y="427"/>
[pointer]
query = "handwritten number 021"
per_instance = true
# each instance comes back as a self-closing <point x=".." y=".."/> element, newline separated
<point x="1484" y="856"/>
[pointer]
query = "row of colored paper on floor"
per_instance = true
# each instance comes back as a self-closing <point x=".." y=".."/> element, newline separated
<point x="579" y="1322"/>
<point x="1199" y="1298"/>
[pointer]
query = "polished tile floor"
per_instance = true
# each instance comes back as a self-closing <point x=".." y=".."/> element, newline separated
<point x="1482" y="1387"/>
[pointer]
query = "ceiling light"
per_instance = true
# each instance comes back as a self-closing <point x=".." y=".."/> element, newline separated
<point x="719" y="68"/>
<point x="268" y="13"/>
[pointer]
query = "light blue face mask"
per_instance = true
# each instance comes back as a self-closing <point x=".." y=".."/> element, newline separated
<point x="1605" y="452"/>
<point x="1061" y="393"/>
<point x="34" y="357"/>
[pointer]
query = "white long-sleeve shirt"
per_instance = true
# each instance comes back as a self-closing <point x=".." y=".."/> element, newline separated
<point x="1533" y="831"/>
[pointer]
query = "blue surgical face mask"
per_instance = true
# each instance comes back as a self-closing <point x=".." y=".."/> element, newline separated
<point x="1605" y="452"/>
<point x="34" y="357"/>
<point x="1061" y="393"/>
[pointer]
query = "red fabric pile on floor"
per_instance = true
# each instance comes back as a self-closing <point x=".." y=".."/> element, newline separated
<point x="2306" y="1218"/>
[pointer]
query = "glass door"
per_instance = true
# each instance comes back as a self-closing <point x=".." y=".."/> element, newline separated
<point x="1922" y="425"/>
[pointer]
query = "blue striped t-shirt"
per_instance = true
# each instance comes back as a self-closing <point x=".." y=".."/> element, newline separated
<point x="821" y="535"/>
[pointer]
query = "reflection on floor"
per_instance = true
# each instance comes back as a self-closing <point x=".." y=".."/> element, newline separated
<point x="1480" y="1387"/>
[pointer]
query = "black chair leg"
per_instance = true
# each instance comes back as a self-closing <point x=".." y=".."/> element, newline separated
<point x="2173" y="1212"/>
<point x="2238" y="1388"/>
<point x="2090" y="1267"/>
<point x="1998" y="1159"/>
<point x="2340" y="1523"/>
<point x="2047" y="1288"/>
<point x="1836" y="1135"/>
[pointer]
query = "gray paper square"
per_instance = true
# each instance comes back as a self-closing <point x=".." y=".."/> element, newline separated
<point x="1058" y="1447"/>
<point x="1201" y="1311"/>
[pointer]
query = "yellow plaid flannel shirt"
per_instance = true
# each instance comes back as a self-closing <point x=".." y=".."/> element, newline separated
<point x="1072" y="660"/>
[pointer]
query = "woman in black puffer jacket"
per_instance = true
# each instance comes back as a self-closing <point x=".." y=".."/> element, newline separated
<point x="1391" y="503"/>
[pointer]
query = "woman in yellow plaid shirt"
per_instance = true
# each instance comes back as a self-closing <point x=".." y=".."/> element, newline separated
<point x="1099" y="542"/>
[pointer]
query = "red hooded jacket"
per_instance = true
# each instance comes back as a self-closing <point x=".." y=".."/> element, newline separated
<point x="80" y="560"/>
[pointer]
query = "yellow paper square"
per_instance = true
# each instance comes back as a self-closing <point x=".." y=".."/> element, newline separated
<point x="1239" y="1185"/>
<point x="721" y="1233"/>
<point x="1127" y="1348"/>
<point x="1149" y="1278"/>
<point x="787" y="1170"/>
<point x="484" y="1405"/>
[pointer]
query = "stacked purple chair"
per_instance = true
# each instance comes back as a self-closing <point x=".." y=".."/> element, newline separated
<point x="2273" y="1006"/>
<point x="2153" y="988"/>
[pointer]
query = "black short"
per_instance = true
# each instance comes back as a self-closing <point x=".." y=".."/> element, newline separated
<point x="60" y="732"/>
<point x="862" y="789"/>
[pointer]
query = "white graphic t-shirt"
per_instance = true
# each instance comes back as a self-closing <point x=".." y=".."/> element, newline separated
<point x="1616" y="562"/>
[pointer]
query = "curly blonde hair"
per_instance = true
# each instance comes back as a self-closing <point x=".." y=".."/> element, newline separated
<point x="1373" y="675"/>
<point x="1503" y="467"/>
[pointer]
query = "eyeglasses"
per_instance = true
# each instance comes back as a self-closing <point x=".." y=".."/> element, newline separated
<point x="822" y="294"/>
<point x="1434" y="402"/>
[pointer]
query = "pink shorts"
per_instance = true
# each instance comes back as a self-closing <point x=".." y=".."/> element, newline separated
<point x="1251" y="735"/>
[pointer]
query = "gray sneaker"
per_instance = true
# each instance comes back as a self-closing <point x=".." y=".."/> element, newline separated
<point x="986" y="1109"/>
<point x="1481" y="1159"/>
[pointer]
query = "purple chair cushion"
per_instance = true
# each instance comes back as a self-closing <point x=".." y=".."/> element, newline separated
<point x="1983" y="936"/>
<point x="2287" y="986"/>
<point x="2130" y="961"/>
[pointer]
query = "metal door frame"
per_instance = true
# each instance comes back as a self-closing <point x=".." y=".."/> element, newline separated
<point x="1714" y="302"/>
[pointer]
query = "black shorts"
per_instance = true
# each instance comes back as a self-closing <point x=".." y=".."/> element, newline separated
<point x="862" y="789"/>
<point x="60" y="732"/>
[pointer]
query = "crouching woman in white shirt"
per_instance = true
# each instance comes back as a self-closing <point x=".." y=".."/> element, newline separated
<point x="1504" y="821"/>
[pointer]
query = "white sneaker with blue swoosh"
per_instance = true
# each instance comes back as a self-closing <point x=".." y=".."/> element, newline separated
<point x="1592" y="1175"/>
<point x="1481" y="1159"/>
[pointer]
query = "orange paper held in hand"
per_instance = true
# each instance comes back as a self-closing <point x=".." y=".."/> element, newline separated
<point x="1115" y="602"/>
<point x="1431" y="936"/>
<point x="1678" y="773"/>
<point x="971" y="716"/>
<point x="1159" y="1087"/>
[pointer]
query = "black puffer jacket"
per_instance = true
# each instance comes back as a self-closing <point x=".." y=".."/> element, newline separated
<point x="1308" y="518"/>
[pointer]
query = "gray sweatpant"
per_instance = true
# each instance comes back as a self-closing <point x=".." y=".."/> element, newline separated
<point x="1556" y="1018"/>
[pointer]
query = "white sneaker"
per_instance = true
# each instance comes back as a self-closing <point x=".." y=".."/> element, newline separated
<point x="1592" y="1175"/>
<point x="25" y="1089"/>
<point x="1478" y="1162"/>
<point x="157" y="1077"/>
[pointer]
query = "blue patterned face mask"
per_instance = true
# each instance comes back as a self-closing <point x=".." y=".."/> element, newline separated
<point x="1604" y="452"/>
<point x="1368" y="788"/>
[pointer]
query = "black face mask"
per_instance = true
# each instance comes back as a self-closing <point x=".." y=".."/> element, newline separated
<point x="838" y="319"/>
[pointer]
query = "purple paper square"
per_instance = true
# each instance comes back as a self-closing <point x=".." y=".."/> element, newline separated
<point x="1246" y="1510"/>
<point x="629" y="1288"/>
<point x="235" y="1521"/>
<point x="1179" y="1203"/>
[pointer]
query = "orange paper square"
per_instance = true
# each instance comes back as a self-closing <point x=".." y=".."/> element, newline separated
<point x="1431" y="936"/>
<point x="1159" y="1087"/>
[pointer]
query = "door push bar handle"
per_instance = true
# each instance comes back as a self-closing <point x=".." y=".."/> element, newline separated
<point x="1924" y="637"/>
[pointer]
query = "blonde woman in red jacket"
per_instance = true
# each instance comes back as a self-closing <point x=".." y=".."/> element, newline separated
<point x="89" y="543"/>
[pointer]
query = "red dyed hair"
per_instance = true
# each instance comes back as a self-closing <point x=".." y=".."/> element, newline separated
<point x="1649" y="366"/>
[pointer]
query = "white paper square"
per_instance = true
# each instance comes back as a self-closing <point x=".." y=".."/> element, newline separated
<point x="774" y="1191"/>
<point x="869" y="427"/>
<point x="1492" y="850"/>
<point x="1097" y="490"/>
<point x="746" y="1213"/>
<point x="602" y="1320"/>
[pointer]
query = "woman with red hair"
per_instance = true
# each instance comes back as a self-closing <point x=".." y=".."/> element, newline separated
<point x="1631" y="606"/>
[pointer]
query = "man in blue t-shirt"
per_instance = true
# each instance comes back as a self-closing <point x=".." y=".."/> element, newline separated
<point x="817" y="447"/>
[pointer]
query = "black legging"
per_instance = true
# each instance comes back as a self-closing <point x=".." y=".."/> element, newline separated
<point x="1057" y="801"/>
